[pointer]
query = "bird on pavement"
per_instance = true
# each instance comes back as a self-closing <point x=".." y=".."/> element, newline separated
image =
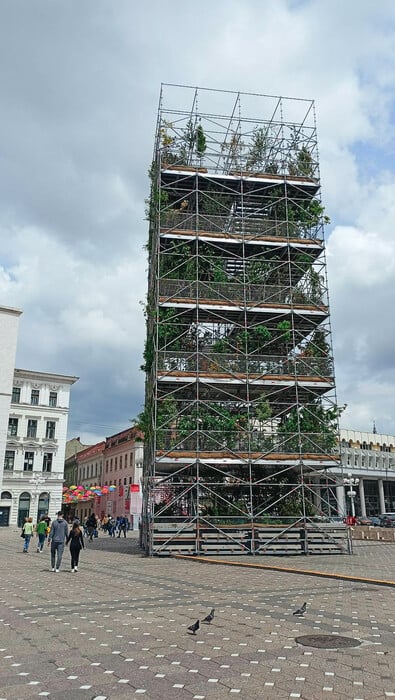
<point x="193" y="628"/>
<point x="210" y="617"/>
<point x="301" y="611"/>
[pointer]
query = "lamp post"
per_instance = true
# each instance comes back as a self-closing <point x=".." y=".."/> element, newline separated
<point x="37" y="482"/>
<point x="351" y="482"/>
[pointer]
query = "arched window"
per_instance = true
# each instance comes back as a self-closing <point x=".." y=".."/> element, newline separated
<point x="6" y="496"/>
<point x="23" y="508"/>
<point x="43" y="505"/>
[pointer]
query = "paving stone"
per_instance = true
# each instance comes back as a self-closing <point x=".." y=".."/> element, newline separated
<point x="119" y="628"/>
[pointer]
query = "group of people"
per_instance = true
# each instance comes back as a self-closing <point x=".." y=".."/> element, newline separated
<point x="57" y="535"/>
<point x="42" y="529"/>
<point x="113" y="526"/>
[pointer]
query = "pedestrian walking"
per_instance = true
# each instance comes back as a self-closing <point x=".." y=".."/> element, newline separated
<point x="104" y="523"/>
<point x="41" y="531"/>
<point x="27" y="531"/>
<point x="57" y="538"/>
<point x="111" y="527"/>
<point x="122" y="526"/>
<point x="76" y="539"/>
<point x="91" y="525"/>
<point x="84" y="526"/>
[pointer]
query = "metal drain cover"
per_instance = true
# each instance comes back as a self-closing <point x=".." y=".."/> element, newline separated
<point x="327" y="641"/>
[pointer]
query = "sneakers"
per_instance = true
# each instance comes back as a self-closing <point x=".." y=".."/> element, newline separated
<point x="76" y="568"/>
<point x="53" y="568"/>
<point x="56" y="571"/>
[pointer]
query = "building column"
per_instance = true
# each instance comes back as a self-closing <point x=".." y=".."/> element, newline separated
<point x="362" y="498"/>
<point x="381" y="495"/>
<point x="341" y="501"/>
<point x="316" y="495"/>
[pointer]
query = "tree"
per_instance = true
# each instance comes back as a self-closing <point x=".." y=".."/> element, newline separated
<point x="200" y="141"/>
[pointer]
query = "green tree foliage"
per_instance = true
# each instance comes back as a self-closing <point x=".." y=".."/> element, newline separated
<point x="318" y="426"/>
<point x="200" y="139"/>
<point x="257" y="154"/>
<point x="303" y="164"/>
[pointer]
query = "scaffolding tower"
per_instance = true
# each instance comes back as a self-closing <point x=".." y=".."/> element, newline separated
<point x="240" y="418"/>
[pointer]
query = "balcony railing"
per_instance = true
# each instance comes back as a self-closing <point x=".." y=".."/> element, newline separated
<point x="223" y="292"/>
<point x="243" y="441"/>
<point x="253" y="226"/>
<point x="217" y="363"/>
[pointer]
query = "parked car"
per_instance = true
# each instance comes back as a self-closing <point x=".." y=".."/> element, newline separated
<point x="375" y="521"/>
<point x="364" y="521"/>
<point x="387" y="520"/>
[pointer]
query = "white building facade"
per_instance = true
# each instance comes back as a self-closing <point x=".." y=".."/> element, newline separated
<point x="364" y="481"/>
<point x="9" y="321"/>
<point x="35" y="444"/>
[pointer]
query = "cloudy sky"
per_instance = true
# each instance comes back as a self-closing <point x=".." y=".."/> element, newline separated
<point x="79" y="90"/>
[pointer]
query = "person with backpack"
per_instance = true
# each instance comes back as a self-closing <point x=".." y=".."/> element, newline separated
<point x="76" y="539"/>
<point x="27" y="532"/>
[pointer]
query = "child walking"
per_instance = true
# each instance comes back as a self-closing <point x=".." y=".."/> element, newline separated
<point x="76" y="540"/>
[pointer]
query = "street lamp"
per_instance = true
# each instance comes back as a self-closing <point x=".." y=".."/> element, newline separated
<point x="37" y="482"/>
<point x="351" y="482"/>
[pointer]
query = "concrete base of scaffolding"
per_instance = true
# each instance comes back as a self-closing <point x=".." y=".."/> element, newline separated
<point x="205" y="539"/>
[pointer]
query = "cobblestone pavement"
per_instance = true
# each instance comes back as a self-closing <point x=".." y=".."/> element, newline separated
<point x="118" y="628"/>
<point x="370" y="560"/>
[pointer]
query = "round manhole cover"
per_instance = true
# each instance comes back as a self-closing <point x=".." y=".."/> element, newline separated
<point x="327" y="641"/>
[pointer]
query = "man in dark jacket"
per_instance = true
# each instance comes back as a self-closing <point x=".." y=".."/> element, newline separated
<point x="56" y="538"/>
<point x="91" y="525"/>
<point x="122" y="526"/>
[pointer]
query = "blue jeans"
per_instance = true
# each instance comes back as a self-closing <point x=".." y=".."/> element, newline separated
<point x="41" y="540"/>
<point x="27" y="542"/>
<point x="56" y="549"/>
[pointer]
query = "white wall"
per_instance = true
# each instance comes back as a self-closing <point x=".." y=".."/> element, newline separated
<point x="9" y="321"/>
<point x="19" y="480"/>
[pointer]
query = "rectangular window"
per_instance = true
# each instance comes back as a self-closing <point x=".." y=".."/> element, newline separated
<point x="115" y="464"/>
<point x="12" y="427"/>
<point x="120" y="462"/>
<point x="16" y="394"/>
<point x="34" y="397"/>
<point x="47" y="461"/>
<point x="31" y="429"/>
<point x="9" y="460"/>
<point x="131" y="459"/>
<point x="28" y="462"/>
<point x="53" y="399"/>
<point x="50" y="430"/>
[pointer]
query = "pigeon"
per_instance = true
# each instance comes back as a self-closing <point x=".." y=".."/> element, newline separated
<point x="194" y="627"/>
<point x="301" y="611"/>
<point x="210" y="617"/>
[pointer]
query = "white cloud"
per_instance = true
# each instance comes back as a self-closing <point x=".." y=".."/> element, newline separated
<point x="80" y="84"/>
